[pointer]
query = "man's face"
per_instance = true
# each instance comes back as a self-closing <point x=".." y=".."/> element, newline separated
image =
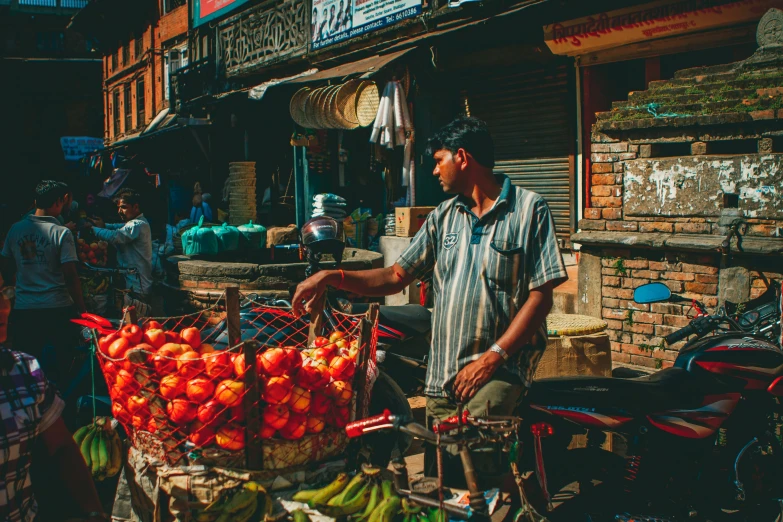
<point x="127" y="211"/>
<point x="5" y="311"/>
<point x="448" y="171"/>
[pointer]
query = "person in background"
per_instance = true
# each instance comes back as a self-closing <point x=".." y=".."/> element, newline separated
<point x="133" y="240"/>
<point x="40" y="255"/>
<point x="347" y="17"/>
<point x="34" y="431"/>
<point x="201" y="207"/>
<point x="333" y="23"/>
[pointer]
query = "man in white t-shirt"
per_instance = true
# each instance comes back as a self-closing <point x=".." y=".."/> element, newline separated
<point x="40" y="255"/>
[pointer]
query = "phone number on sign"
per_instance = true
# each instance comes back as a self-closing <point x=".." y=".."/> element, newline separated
<point x="407" y="13"/>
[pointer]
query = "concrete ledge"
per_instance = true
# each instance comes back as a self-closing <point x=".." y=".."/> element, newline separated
<point x="685" y="242"/>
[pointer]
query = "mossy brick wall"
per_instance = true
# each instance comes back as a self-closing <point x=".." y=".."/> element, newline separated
<point x="700" y="117"/>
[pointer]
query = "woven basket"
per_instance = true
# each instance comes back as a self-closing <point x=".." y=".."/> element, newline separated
<point x="311" y="107"/>
<point x="367" y="101"/>
<point x="296" y="107"/>
<point x="345" y="104"/>
<point x="570" y="324"/>
<point x="327" y="105"/>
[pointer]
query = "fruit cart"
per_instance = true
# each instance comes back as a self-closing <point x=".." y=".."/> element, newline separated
<point x="203" y="417"/>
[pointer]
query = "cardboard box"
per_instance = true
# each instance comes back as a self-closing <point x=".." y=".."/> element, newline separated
<point x="410" y="220"/>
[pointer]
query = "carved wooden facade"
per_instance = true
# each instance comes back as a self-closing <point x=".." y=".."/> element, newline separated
<point x="263" y="35"/>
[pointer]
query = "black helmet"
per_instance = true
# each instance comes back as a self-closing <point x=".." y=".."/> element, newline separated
<point x="323" y="235"/>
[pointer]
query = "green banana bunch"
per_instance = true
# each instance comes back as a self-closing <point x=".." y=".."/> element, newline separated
<point x="438" y="515"/>
<point x="349" y="506"/>
<point x="350" y="490"/>
<point x="410" y="512"/>
<point x="101" y="448"/>
<point x="375" y="499"/>
<point x="240" y="501"/>
<point x="249" y="502"/>
<point x="386" y="510"/>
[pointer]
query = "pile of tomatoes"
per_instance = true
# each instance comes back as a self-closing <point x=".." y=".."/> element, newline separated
<point x="174" y="385"/>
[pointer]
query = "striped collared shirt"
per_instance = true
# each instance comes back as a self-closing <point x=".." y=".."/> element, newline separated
<point x="482" y="271"/>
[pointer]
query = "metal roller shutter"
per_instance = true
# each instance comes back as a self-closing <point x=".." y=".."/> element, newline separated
<point x="529" y="115"/>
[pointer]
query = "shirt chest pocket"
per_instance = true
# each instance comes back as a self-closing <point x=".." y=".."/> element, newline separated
<point x="505" y="263"/>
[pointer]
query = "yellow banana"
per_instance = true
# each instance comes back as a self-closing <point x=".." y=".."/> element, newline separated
<point x="240" y="501"/>
<point x="326" y="493"/>
<point x="350" y="490"/>
<point x="86" y="446"/>
<point x="206" y="517"/>
<point x="115" y="454"/>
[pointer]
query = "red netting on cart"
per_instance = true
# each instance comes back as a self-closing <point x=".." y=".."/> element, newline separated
<point x="181" y="388"/>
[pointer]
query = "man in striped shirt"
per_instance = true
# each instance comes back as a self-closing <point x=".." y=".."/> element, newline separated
<point x="493" y="258"/>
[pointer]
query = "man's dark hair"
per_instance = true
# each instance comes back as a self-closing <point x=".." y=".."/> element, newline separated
<point x="466" y="133"/>
<point x="129" y="196"/>
<point x="47" y="192"/>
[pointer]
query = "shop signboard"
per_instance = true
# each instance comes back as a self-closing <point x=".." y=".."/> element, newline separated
<point x="649" y="22"/>
<point x="334" y="21"/>
<point x="77" y="147"/>
<point x="207" y="10"/>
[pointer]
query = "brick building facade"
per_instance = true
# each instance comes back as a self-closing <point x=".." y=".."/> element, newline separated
<point x="675" y="171"/>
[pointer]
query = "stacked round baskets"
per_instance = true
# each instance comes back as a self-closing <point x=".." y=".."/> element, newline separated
<point x="346" y="106"/>
<point x="242" y="192"/>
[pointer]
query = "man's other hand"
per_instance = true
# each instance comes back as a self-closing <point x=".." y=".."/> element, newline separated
<point x="307" y="293"/>
<point x="475" y="375"/>
<point x="98" y="222"/>
<point x="71" y="226"/>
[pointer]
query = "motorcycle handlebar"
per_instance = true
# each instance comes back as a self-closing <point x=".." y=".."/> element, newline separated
<point x="679" y="335"/>
<point x="699" y="326"/>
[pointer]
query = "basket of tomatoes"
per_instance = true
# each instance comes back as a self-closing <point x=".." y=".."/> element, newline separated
<point x="181" y="393"/>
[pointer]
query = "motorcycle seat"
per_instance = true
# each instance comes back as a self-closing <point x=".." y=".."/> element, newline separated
<point x="672" y="388"/>
<point x="410" y="319"/>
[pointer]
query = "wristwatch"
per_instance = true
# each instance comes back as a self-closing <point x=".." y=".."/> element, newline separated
<point x="500" y="351"/>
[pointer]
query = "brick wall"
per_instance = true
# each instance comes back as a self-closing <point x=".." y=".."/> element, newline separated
<point x="173" y="24"/>
<point x="637" y="330"/>
<point x="148" y="66"/>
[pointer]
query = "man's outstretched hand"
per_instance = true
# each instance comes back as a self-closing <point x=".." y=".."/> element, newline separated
<point x="307" y="293"/>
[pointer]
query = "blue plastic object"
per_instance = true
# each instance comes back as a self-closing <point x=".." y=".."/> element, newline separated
<point x="652" y="293"/>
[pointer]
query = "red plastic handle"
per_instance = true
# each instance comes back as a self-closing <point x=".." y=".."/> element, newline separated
<point x="357" y="428"/>
<point x="451" y="423"/>
<point x="97" y="319"/>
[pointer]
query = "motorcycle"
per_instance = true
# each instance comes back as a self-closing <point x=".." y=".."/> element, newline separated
<point x="702" y="437"/>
